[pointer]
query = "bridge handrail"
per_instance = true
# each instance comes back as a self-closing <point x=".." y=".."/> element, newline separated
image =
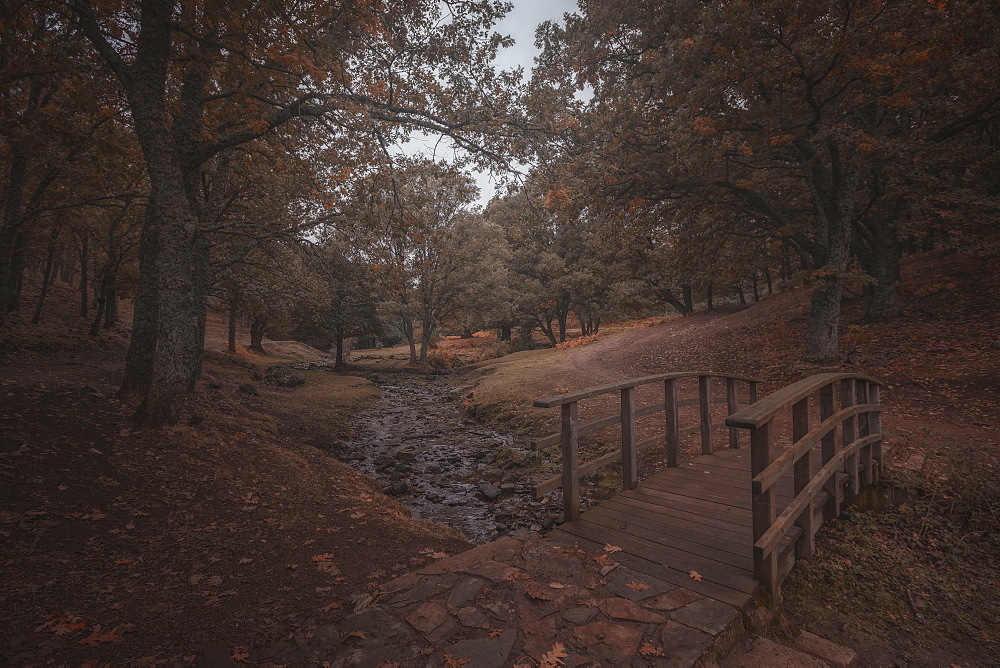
<point x="860" y="420"/>
<point x="571" y="430"/>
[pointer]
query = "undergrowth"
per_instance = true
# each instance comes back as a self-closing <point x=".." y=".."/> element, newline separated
<point x="926" y="571"/>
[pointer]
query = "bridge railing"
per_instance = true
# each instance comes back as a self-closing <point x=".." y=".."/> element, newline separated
<point x="780" y="539"/>
<point x="572" y="430"/>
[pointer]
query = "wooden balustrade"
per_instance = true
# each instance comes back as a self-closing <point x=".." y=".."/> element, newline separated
<point x="817" y="496"/>
<point x="572" y="430"/>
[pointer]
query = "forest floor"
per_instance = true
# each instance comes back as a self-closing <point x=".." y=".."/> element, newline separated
<point x="235" y="534"/>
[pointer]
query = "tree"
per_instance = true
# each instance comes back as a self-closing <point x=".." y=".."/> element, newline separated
<point x="201" y="80"/>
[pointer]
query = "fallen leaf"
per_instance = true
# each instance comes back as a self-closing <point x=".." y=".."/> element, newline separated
<point x="554" y="657"/>
<point x="438" y="555"/>
<point x="647" y="649"/>
<point x="357" y="634"/>
<point x="326" y="556"/>
<point x="96" y="637"/>
<point x="244" y="560"/>
<point x="495" y="632"/>
<point x="695" y="575"/>
<point x="95" y="515"/>
<point x="604" y="560"/>
<point x="451" y="661"/>
<point x="241" y="657"/>
<point x="637" y="586"/>
<point x="61" y="623"/>
<point x="611" y="548"/>
<point x="558" y="585"/>
<point x="535" y="591"/>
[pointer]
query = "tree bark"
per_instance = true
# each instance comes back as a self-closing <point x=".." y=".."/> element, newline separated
<point x="232" y="325"/>
<point x="882" y="296"/>
<point x="142" y="344"/>
<point x="84" y="270"/>
<point x="408" y="333"/>
<point x="708" y="296"/>
<point x="257" y="329"/>
<point x="46" y="278"/>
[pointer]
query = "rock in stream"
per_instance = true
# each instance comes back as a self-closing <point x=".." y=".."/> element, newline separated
<point x="418" y="446"/>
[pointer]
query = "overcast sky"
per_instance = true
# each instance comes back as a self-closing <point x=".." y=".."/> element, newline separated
<point x="520" y="24"/>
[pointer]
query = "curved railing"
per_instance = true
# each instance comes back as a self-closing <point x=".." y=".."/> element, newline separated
<point x="572" y="430"/>
<point x="816" y="496"/>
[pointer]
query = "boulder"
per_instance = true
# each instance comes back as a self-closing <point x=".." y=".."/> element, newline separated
<point x="284" y="376"/>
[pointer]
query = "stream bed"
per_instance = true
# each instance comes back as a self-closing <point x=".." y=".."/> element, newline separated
<point x="417" y="444"/>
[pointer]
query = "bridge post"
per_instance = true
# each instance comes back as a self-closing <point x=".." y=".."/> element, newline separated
<point x="864" y="429"/>
<point x="630" y="475"/>
<point x="801" y="475"/>
<point x="570" y="462"/>
<point x="873" y="398"/>
<point x="828" y="447"/>
<point x="673" y="438"/>
<point x="765" y="566"/>
<point x="850" y="434"/>
<point x="705" y="407"/>
<point x="732" y="405"/>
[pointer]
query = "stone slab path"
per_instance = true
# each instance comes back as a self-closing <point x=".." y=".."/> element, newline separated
<point x="521" y="600"/>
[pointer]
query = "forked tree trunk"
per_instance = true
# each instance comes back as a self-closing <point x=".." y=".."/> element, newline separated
<point x="408" y="333"/>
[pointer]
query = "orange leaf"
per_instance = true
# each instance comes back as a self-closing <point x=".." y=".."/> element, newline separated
<point x="637" y="586"/>
<point x="695" y="575"/>
<point x="612" y="548"/>
<point x="647" y="649"/>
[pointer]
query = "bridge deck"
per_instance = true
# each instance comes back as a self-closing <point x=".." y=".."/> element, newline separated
<point x="695" y="517"/>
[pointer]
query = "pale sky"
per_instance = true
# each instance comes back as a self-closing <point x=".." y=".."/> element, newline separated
<point x="520" y="24"/>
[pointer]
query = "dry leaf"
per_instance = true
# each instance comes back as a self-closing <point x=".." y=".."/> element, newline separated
<point x="495" y="632"/>
<point x="326" y="556"/>
<point x="241" y="657"/>
<point x="604" y="560"/>
<point x="61" y="624"/>
<point x="96" y="637"/>
<point x="357" y="634"/>
<point x="554" y="657"/>
<point x="451" y="661"/>
<point x="245" y="560"/>
<point x="535" y="591"/>
<point x="558" y="585"/>
<point x="695" y="575"/>
<point x="637" y="586"/>
<point x="611" y="548"/>
<point x="647" y="649"/>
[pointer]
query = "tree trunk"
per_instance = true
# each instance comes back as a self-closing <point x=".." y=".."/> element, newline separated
<point x="427" y="325"/>
<point x="770" y="283"/>
<point x="339" y="361"/>
<point x="257" y="329"/>
<point x="596" y="327"/>
<point x="668" y="296"/>
<point x="688" y="298"/>
<point x="545" y="324"/>
<point x="142" y="344"/>
<point x="738" y="286"/>
<point x="84" y="270"/>
<point x="46" y="279"/>
<point x="16" y="177"/>
<point x="754" y="287"/>
<point x="408" y="333"/>
<point x="95" y="327"/>
<point x="882" y="296"/>
<point x="110" y="306"/>
<point x="466" y="333"/>
<point x="708" y="296"/>
<point x="504" y="332"/>
<point x="232" y="325"/>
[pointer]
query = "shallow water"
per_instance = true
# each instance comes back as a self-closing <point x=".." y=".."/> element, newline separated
<point x="415" y="442"/>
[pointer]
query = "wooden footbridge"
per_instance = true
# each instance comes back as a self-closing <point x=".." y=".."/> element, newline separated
<point x="730" y="520"/>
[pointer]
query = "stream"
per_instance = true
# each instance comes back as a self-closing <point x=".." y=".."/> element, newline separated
<point x="417" y="444"/>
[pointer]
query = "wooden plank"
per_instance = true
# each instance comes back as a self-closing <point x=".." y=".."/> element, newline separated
<point x="765" y="566"/>
<point x="801" y="475"/>
<point x="773" y="404"/>
<point x="706" y="517"/>
<point x="850" y="434"/>
<point x="783" y="462"/>
<point x="679" y="518"/>
<point x="864" y="429"/>
<point x="828" y="445"/>
<point x="655" y="569"/>
<point x="708" y="545"/>
<point x="724" y="574"/>
<point x="705" y="507"/>
<point x="589" y="392"/>
<point x="629" y="472"/>
<point x="672" y="421"/>
<point x="570" y="462"/>
<point x="705" y="411"/>
<point x="731" y="407"/>
<point x="873" y="398"/>
<point x="766" y="543"/>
